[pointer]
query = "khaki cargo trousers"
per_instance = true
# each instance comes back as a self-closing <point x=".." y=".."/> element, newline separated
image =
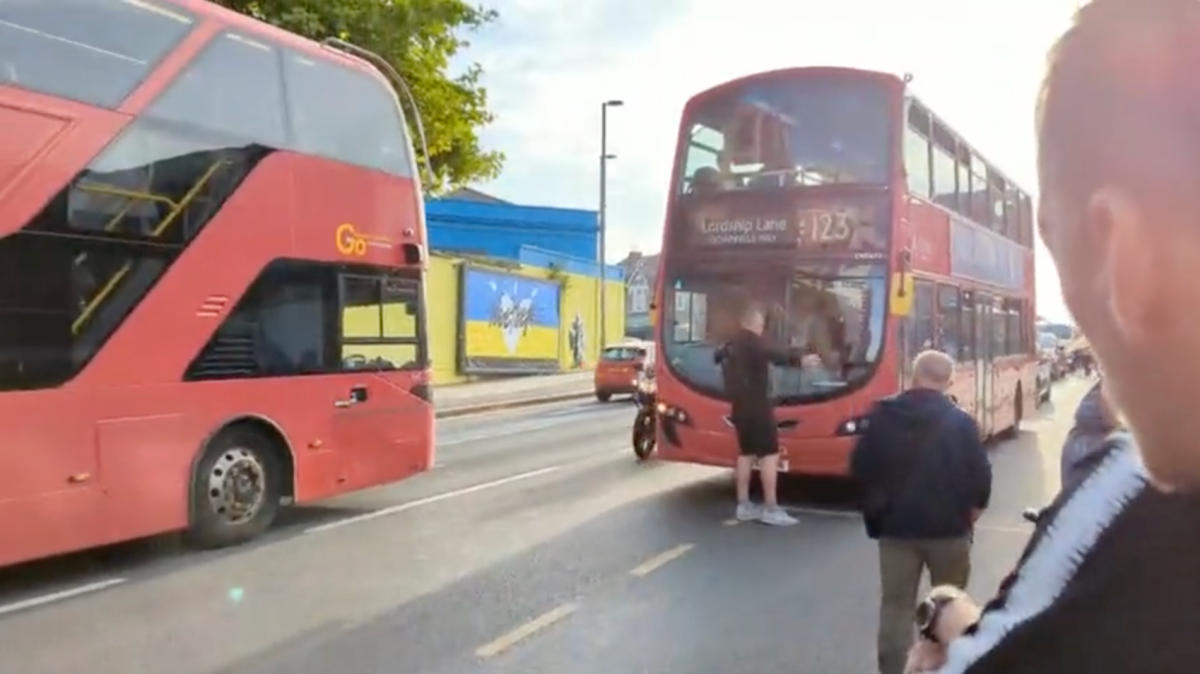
<point x="901" y="564"/>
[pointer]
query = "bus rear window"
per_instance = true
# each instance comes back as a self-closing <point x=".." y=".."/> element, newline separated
<point x="622" y="353"/>
<point x="93" y="51"/>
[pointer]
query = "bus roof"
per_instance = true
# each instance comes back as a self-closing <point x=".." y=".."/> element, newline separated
<point x="881" y="76"/>
<point x="204" y="8"/>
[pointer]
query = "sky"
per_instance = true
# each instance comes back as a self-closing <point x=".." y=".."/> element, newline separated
<point x="549" y="65"/>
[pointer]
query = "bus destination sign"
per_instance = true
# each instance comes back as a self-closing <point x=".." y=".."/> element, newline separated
<point x="845" y="229"/>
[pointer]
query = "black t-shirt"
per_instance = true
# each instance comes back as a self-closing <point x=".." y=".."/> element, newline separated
<point x="1109" y="584"/>
<point x="746" y="370"/>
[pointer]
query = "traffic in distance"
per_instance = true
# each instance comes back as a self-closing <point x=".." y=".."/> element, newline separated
<point x="874" y="231"/>
<point x="212" y="297"/>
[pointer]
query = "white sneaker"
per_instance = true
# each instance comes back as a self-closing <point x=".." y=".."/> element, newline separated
<point x="748" y="512"/>
<point x="777" y="517"/>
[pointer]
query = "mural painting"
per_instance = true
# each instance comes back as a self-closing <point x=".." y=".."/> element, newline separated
<point x="510" y="323"/>
<point x="578" y="342"/>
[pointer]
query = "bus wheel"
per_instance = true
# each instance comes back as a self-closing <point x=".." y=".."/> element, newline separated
<point x="236" y="490"/>
<point x="603" y="396"/>
<point x="1018" y="413"/>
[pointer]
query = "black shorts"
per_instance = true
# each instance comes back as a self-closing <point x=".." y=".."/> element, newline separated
<point x="757" y="437"/>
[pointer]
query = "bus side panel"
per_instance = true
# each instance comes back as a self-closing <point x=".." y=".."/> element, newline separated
<point x="338" y="207"/>
<point x="50" y="491"/>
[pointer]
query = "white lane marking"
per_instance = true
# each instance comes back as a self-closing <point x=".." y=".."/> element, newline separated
<point x="851" y="514"/>
<point x="401" y="507"/>
<point x="660" y="560"/>
<point x="42" y="600"/>
<point x="529" y="629"/>
<point x="514" y="429"/>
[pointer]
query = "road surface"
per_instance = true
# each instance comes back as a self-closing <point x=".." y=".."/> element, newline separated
<point x="538" y="545"/>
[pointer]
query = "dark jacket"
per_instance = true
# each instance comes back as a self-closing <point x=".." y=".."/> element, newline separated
<point x="1107" y="584"/>
<point x="950" y="472"/>
<point x="1086" y="438"/>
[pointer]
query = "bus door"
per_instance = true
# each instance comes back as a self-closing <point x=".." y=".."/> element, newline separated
<point x="983" y="361"/>
<point x="379" y="424"/>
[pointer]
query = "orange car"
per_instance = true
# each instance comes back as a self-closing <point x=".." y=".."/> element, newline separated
<point x="620" y="367"/>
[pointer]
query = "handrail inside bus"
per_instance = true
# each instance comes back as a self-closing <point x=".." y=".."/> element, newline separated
<point x="178" y="208"/>
<point x="387" y="69"/>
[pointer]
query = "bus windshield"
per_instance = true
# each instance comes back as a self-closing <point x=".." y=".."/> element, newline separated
<point x="832" y="309"/>
<point x="788" y="131"/>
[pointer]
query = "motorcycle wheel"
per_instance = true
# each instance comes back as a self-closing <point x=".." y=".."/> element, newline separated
<point x="643" y="439"/>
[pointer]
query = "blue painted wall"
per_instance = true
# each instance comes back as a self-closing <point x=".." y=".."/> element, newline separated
<point x="501" y="229"/>
<point x="540" y="236"/>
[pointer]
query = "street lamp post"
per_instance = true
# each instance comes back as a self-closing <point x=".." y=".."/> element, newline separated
<point x="602" y="217"/>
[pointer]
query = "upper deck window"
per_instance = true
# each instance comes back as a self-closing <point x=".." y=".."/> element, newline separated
<point x="232" y="87"/>
<point x="346" y="114"/>
<point x="789" y="131"/>
<point x="93" y="51"/>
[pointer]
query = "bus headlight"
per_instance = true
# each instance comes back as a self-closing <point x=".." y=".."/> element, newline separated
<point x="852" y="426"/>
<point x="672" y="413"/>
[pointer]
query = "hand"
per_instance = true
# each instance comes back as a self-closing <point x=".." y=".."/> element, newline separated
<point x="811" y="360"/>
<point x="925" y="656"/>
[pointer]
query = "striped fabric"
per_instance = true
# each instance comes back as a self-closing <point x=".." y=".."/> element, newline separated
<point x="1054" y="555"/>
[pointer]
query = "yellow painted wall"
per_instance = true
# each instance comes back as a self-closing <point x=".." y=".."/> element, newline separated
<point x="578" y="297"/>
<point x="442" y="295"/>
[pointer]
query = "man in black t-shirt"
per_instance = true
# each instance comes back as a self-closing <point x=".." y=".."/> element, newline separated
<point x="746" y="362"/>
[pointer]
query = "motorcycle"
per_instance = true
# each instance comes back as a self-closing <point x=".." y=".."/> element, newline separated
<point x="645" y="423"/>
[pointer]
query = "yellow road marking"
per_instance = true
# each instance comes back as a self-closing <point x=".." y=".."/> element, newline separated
<point x="504" y="643"/>
<point x="658" y="561"/>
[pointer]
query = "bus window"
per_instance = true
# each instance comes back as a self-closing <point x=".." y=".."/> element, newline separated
<point x="981" y="208"/>
<point x="285" y="319"/>
<point x="789" y="130"/>
<point x="918" y="164"/>
<point x="95" y="52"/>
<point x="954" y="333"/>
<point x="346" y="114"/>
<point x="923" y="320"/>
<point x="232" y="87"/>
<point x="381" y="323"/>
<point x="945" y="177"/>
<point x="997" y="329"/>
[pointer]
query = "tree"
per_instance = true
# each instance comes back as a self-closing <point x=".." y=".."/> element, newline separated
<point x="418" y="38"/>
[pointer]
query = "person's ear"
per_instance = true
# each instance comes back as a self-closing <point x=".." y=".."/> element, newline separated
<point x="1129" y="271"/>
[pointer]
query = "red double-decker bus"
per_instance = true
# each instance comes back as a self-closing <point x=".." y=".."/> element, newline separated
<point x="212" y="246"/>
<point x="870" y="230"/>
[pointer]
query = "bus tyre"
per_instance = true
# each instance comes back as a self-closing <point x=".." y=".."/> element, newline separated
<point x="1018" y="413"/>
<point x="236" y="490"/>
<point x="603" y="396"/>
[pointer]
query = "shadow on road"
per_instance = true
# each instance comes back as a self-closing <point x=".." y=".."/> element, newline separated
<point x="147" y="557"/>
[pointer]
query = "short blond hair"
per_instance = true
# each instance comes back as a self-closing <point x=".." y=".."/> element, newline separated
<point x="933" y="367"/>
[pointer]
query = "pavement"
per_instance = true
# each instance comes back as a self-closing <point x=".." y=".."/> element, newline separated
<point x="471" y="398"/>
<point x="537" y="545"/>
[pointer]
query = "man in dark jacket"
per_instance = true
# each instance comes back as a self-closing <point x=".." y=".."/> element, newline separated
<point x="927" y="478"/>
<point x="1094" y="421"/>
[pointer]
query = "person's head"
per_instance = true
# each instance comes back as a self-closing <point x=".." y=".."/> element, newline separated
<point x="1118" y="124"/>
<point x="933" y="370"/>
<point x="754" y="318"/>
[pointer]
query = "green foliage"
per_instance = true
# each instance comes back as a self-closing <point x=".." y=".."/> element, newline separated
<point x="418" y="38"/>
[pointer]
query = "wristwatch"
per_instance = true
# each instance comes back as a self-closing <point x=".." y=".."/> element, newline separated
<point x="929" y="611"/>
